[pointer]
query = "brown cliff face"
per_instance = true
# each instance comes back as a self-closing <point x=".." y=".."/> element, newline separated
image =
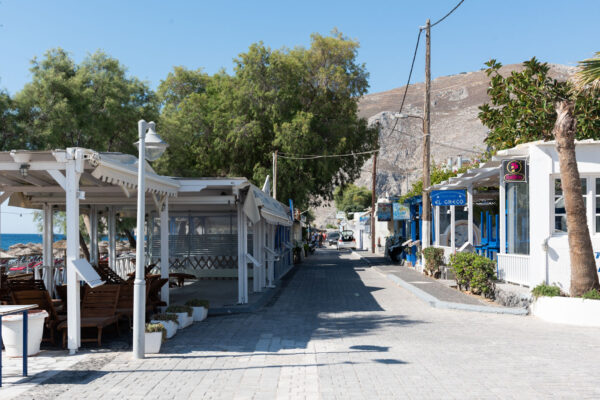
<point x="455" y="128"/>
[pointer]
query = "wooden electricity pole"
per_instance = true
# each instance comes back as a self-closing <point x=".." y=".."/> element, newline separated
<point x="373" y="195"/>
<point x="275" y="175"/>
<point x="426" y="234"/>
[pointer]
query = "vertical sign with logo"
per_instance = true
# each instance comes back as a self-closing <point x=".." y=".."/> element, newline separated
<point x="514" y="170"/>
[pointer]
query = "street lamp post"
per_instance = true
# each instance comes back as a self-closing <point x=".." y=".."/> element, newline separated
<point x="150" y="147"/>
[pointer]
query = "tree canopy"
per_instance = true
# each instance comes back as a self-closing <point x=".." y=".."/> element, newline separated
<point x="296" y="101"/>
<point x="522" y="106"/>
<point x="351" y="198"/>
<point x="93" y="104"/>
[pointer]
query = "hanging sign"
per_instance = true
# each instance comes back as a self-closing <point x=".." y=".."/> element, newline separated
<point x="448" y="197"/>
<point x="514" y="170"/>
<point x="401" y="212"/>
<point x="340" y="215"/>
<point x="384" y="211"/>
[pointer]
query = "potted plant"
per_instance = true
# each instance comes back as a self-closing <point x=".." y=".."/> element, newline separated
<point x="169" y="321"/>
<point x="184" y="315"/>
<point x="155" y="335"/>
<point x="200" y="308"/>
<point x="12" y="332"/>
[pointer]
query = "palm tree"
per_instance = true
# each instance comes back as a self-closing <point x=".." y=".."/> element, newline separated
<point x="583" y="265"/>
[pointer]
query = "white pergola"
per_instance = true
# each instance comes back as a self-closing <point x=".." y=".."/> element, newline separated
<point x="78" y="178"/>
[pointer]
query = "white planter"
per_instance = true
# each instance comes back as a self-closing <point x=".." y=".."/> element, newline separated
<point x="152" y="342"/>
<point x="184" y="320"/>
<point x="567" y="310"/>
<point x="12" y="333"/>
<point x="200" y="313"/>
<point x="170" y="326"/>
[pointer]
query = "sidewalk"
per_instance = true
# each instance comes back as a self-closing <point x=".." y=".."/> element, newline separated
<point x="432" y="291"/>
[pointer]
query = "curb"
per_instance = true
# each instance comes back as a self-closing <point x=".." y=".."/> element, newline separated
<point x="436" y="303"/>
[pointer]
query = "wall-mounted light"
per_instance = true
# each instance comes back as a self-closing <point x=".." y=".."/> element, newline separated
<point x="24" y="170"/>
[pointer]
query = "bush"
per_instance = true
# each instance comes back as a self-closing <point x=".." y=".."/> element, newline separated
<point x="591" y="294"/>
<point x="157" y="328"/>
<point x="474" y="272"/>
<point x="165" y="317"/>
<point x="460" y="264"/>
<point x="434" y="259"/>
<point x="483" y="274"/>
<point x="545" y="290"/>
<point x="197" y="303"/>
<point x="180" y="309"/>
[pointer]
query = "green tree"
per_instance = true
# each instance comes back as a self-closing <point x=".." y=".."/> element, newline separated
<point x="351" y="198"/>
<point x="529" y="105"/>
<point x="298" y="101"/>
<point x="10" y="136"/>
<point x="93" y="104"/>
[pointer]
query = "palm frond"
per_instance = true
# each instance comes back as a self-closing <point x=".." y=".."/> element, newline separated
<point x="588" y="73"/>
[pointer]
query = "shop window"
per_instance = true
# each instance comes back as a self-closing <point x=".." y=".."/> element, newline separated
<point x="560" y="214"/>
<point x="517" y="218"/>
<point x="444" y="224"/>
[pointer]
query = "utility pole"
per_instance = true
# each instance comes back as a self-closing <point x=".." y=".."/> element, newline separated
<point x="373" y="191"/>
<point x="275" y="175"/>
<point x="426" y="234"/>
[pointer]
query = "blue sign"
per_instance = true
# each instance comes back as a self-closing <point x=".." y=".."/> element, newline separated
<point x="401" y="212"/>
<point x="448" y="197"/>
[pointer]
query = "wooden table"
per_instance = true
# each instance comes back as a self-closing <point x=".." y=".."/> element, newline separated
<point x="8" y="310"/>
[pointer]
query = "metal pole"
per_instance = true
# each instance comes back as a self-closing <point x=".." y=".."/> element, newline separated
<point x="164" y="249"/>
<point x="275" y="175"/>
<point x="73" y="287"/>
<point x="139" y="284"/>
<point x="426" y="134"/>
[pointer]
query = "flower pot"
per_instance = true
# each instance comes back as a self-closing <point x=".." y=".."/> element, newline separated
<point x="12" y="333"/>
<point x="200" y="313"/>
<point x="152" y="342"/>
<point x="170" y="326"/>
<point x="184" y="320"/>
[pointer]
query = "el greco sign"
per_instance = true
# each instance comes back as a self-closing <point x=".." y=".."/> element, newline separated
<point x="514" y="170"/>
<point x="448" y="197"/>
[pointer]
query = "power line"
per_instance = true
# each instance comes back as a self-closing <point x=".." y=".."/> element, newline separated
<point x="447" y="15"/>
<point x="315" y="156"/>
<point x="438" y="143"/>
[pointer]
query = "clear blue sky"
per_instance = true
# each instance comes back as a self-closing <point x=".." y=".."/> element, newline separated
<point x="150" y="37"/>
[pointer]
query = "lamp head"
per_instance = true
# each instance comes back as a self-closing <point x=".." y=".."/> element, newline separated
<point x="153" y="144"/>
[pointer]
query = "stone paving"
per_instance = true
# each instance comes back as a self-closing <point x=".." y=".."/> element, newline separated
<point x="340" y="330"/>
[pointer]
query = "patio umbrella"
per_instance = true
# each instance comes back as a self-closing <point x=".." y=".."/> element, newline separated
<point x="5" y="256"/>
<point x="60" y="245"/>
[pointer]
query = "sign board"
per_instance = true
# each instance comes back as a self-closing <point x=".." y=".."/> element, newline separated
<point x="87" y="273"/>
<point x="340" y="215"/>
<point x="364" y="219"/>
<point x="448" y="197"/>
<point x="514" y="170"/>
<point x="401" y="212"/>
<point x="384" y="211"/>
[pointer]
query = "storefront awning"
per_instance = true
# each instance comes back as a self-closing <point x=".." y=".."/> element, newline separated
<point x="258" y="204"/>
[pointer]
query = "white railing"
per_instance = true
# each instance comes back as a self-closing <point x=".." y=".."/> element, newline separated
<point x="514" y="268"/>
<point x="124" y="265"/>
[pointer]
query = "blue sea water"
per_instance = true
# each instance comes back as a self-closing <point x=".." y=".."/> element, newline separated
<point x="8" y="239"/>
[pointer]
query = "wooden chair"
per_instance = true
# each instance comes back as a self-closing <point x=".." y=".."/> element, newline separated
<point x="44" y="302"/>
<point x="15" y="285"/>
<point x="107" y="274"/>
<point x="98" y="310"/>
<point x="181" y="277"/>
<point x="153" y="294"/>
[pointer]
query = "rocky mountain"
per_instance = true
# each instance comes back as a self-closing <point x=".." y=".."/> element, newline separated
<point x="455" y="128"/>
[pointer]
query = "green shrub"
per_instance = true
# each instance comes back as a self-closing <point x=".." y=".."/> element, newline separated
<point x="483" y="274"/>
<point x="157" y="328"/>
<point x="545" y="290"/>
<point x="434" y="259"/>
<point x="474" y="272"/>
<point x="591" y="294"/>
<point x="197" y="303"/>
<point x="165" y="317"/>
<point x="460" y="263"/>
<point x="180" y="309"/>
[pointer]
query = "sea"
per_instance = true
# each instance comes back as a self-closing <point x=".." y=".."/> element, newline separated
<point x="8" y="239"/>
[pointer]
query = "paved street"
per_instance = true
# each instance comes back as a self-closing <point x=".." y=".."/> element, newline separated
<point x="340" y="330"/>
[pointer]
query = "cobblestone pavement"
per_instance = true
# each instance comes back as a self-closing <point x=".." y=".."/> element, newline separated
<point x="340" y="330"/>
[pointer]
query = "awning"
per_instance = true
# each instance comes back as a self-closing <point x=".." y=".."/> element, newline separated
<point x="122" y="169"/>
<point x="259" y="204"/>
